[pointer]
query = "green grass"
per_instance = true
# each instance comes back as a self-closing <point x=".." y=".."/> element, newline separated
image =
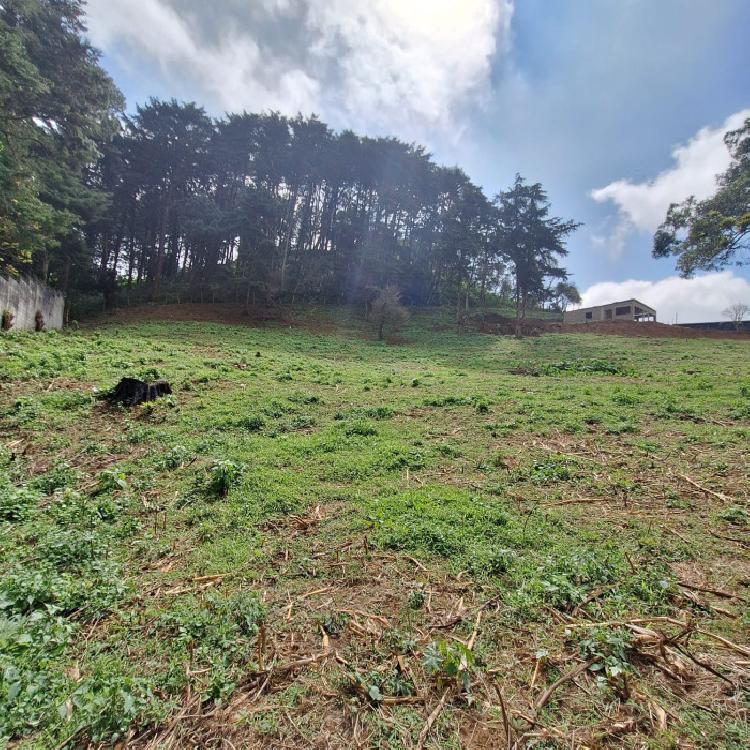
<point x="306" y="489"/>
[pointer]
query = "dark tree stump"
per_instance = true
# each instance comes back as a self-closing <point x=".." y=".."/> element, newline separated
<point x="131" y="391"/>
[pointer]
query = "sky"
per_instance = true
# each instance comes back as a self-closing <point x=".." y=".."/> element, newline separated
<point x="617" y="107"/>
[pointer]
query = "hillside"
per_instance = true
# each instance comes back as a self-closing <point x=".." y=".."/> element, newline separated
<point x="320" y="540"/>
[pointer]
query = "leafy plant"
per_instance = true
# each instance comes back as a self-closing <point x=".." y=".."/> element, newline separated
<point x="16" y="503"/>
<point x="609" y="648"/>
<point x="360" y="428"/>
<point x="175" y="457"/>
<point x="735" y="515"/>
<point x="110" y="480"/>
<point x="449" y="662"/>
<point x="222" y="476"/>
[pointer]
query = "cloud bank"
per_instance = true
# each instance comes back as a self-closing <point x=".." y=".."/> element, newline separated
<point x="675" y="299"/>
<point x="379" y="65"/>
<point x="643" y="205"/>
<point x="696" y="164"/>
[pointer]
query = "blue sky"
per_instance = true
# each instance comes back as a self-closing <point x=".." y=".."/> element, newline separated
<point x="589" y="97"/>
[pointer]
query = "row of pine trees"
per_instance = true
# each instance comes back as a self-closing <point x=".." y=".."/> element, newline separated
<point x="172" y="204"/>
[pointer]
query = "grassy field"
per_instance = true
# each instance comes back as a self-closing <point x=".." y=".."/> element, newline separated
<point x="324" y="541"/>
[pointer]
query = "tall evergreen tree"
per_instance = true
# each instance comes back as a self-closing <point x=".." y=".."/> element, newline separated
<point x="57" y="107"/>
<point x="533" y="241"/>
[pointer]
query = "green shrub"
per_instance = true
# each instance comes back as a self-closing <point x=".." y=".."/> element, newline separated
<point x="360" y="428"/>
<point x="449" y="662"/>
<point x="16" y="503"/>
<point x="175" y="457"/>
<point x="251" y="422"/>
<point x="222" y="476"/>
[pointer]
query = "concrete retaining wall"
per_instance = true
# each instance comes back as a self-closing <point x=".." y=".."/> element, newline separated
<point x="25" y="297"/>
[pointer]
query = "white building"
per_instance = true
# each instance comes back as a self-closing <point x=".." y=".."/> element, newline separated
<point x="630" y="309"/>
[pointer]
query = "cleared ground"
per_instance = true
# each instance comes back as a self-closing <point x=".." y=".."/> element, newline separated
<point x="324" y="541"/>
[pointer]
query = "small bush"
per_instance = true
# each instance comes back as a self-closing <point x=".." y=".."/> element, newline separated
<point x="609" y="649"/>
<point x="57" y="478"/>
<point x="449" y="662"/>
<point x="175" y="457"/>
<point x="251" y="423"/>
<point x="734" y="515"/>
<point x="222" y="476"/>
<point x="578" y="366"/>
<point x="16" y="503"/>
<point x="360" y="428"/>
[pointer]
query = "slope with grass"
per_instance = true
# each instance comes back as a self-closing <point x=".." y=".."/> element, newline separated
<point x="323" y="541"/>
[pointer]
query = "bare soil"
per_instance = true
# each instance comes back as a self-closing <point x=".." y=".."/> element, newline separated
<point x="233" y="314"/>
<point x="493" y="323"/>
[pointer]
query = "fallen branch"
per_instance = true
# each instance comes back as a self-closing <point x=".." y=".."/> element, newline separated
<point x="367" y="616"/>
<point x="729" y="644"/>
<point x="705" y="666"/>
<point x="718" y="495"/>
<point x="744" y="650"/>
<point x="473" y="639"/>
<point x="215" y="577"/>
<point x="283" y="669"/>
<point x="506" y="723"/>
<point x="717" y="592"/>
<point x="741" y="542"/>
<point x="595" y="594"/>
<point x="575" y="501"/>
<point x="291" y="604"/>
<point x="460" y="618"/>
<point x="547" y="694"/>
<point x="430" y="721"/>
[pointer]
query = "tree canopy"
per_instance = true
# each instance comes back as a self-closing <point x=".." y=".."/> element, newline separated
<point x="532" y="239"/>
<point x="170" y="203"/>
<point x="57" y="107"/>
<point x="711" y="234"/>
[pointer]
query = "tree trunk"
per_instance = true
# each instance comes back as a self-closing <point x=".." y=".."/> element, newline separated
<point x="519" y="329"/>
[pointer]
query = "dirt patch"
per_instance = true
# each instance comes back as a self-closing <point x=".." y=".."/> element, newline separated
<point x="491" y="323"/>
<point x="650" y="330"/>
<point x="498" y="324"/>
<point x="208" y="313"/>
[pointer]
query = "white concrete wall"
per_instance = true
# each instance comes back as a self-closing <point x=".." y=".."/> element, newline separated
<point x="24" y="297"/>
<point x="600" y="313"/>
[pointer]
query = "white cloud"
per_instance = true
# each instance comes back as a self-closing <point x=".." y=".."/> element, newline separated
<point x="696" y="164"/>
<point x="613" y="241"/>
<point x="695" y="300"/>
<point x="643" y="205"/>
<point x="417" y="59"/>
<point x="229" y="73"/>
<point x="375" y="64"/>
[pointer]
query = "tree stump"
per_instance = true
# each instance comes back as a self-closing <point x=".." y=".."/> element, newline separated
<point x="131" y="391"/>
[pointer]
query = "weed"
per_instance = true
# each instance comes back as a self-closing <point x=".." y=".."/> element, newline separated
<point x="111" y="480"/>
<point x="16" y="503"/>
<point x="251" y="422"/>
<point x="734" y="515"/>
<point x="449" y="662"/>
<point x="609" y="649"/>
<point x="221" y="476"/>
<point x="360" y="428"/>
<point x="176" y="457"/>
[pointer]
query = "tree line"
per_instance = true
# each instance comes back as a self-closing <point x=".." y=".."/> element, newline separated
<point x="170" y="203"/>
<point x="277" y="208"/>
